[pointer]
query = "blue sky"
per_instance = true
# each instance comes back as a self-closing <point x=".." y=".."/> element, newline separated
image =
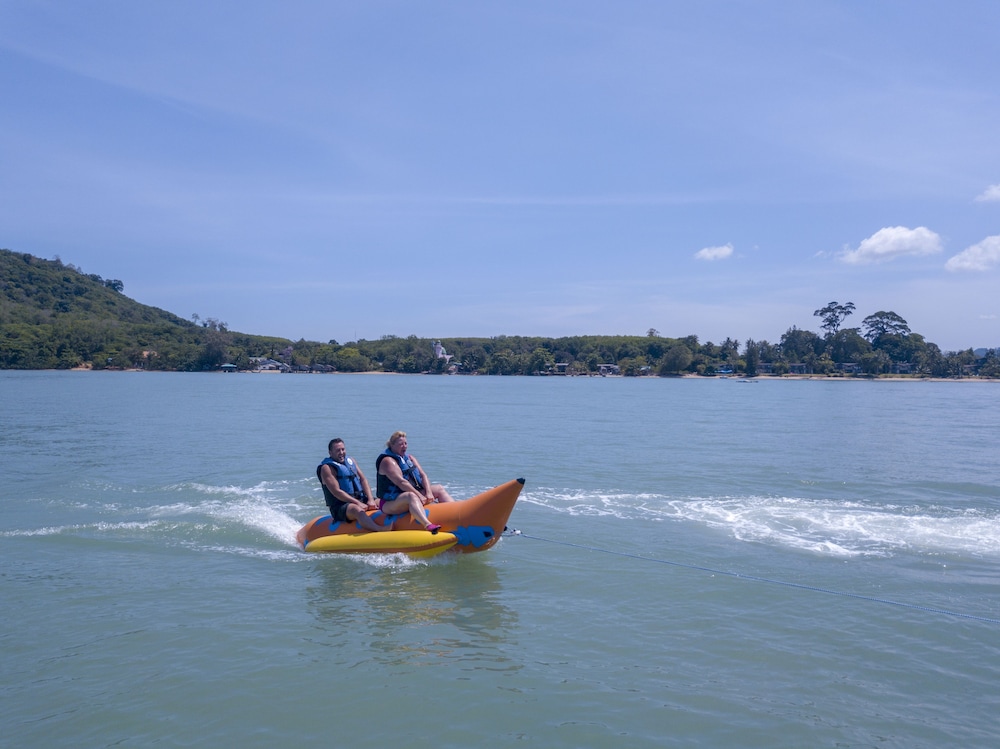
<point x="328" y="170"/>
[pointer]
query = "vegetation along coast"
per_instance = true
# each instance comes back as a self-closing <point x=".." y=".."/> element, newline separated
<point x="56" y="316"/>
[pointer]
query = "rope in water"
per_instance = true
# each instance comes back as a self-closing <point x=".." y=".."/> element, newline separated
<point x="757" y="579"/>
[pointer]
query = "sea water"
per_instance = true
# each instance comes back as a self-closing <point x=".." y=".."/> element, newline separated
<point x="692" y="563"/>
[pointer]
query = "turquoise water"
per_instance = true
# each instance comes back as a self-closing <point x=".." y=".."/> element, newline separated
<point x="701" y="563"/>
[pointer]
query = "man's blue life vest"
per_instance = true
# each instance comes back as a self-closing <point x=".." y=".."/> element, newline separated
<point x="347" y="478"/>
<point x="385" y="489"/>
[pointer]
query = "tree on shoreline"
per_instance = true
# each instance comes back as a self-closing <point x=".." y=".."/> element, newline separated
<point x="883" y="324"/>
<point x="833" y="315"/>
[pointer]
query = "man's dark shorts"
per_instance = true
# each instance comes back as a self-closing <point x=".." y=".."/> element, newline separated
<point x="339" y="511"/>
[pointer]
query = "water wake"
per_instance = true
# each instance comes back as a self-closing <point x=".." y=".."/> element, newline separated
<point x="832" y="527"/>
<point x="258" y="521"/>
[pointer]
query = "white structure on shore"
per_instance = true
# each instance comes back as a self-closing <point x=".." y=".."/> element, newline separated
<point x="440" y="353"/>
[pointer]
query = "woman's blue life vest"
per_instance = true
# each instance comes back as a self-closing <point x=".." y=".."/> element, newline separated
<point x="347" y="477"/>
<point x="385" y="489"/>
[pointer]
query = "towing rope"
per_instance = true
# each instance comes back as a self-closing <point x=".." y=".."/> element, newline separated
<point x="757" y="579"/>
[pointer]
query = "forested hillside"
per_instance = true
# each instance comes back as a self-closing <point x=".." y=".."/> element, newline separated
<point x="55" y="316"/>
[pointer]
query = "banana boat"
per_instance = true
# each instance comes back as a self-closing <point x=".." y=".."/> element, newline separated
<point x="415" y="544"/>
<point x="469" y="525"/>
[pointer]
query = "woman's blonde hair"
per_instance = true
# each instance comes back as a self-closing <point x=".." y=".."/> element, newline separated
<point x="395" y="436"/>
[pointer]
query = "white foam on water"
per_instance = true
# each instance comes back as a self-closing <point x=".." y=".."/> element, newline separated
<point x="58" y="530"/>
<point x="227" y="518"/>
<point x="849" y="528"/>
<point x="264" y="508"/>
<point x="386" y="561"/>
<point x="831" y="527"/>
<point x="282" y="555"/>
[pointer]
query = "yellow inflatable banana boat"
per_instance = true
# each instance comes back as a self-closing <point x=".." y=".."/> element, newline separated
<point x="469" y="525"/>
<point x="415" y="544"/>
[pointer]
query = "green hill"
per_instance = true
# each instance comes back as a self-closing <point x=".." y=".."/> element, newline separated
<point x="54" y="316"/>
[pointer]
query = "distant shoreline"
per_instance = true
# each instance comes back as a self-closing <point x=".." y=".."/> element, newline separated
<point x="734" y="378"/>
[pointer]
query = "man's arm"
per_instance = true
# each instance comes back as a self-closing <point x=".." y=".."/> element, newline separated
<point x="366" y="488"/>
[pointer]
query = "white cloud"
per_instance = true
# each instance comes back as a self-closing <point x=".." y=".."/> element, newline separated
<point x="714" y="253"/>
<point x="990" y="195"/>
<point x="981" y="256"/>
<point x="893" y="242"/>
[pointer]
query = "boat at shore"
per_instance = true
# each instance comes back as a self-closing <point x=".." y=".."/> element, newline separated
<point x="475" y="524"/>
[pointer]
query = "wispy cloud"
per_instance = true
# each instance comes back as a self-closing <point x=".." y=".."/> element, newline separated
<point x="979" y="257"/>
<point x="714" y="253"/>
<point x="990" y="195"/>
<point x="893" y="242"/>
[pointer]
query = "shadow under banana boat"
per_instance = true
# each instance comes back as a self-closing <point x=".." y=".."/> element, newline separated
<point x="468" y="525"/>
